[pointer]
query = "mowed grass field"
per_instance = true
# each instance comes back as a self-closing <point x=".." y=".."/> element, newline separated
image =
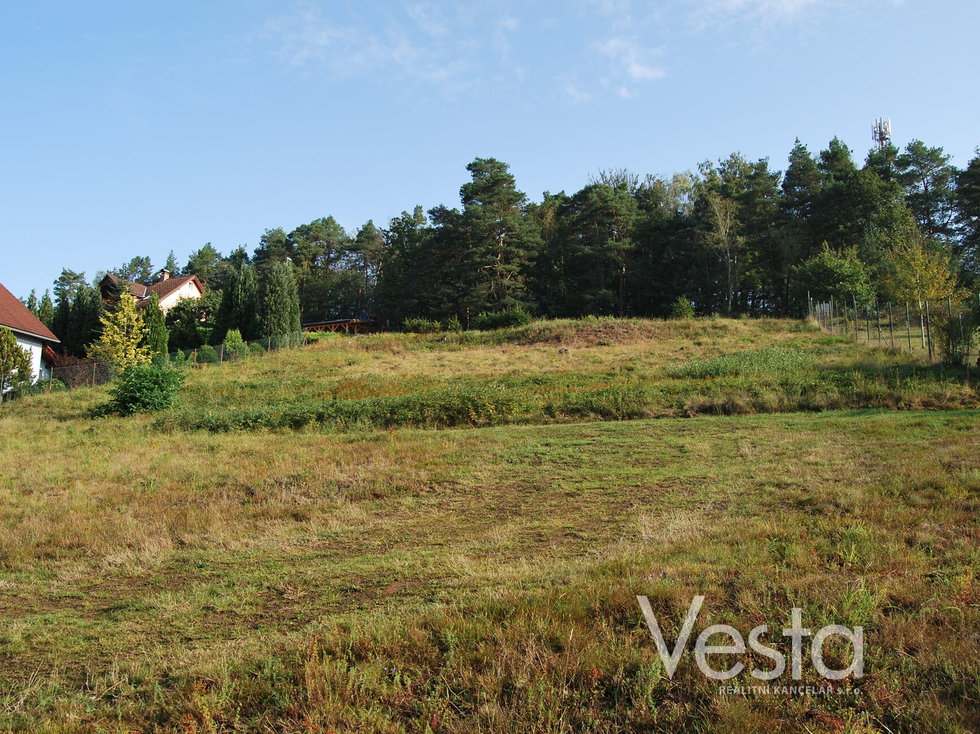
<point x="447" y="533"/>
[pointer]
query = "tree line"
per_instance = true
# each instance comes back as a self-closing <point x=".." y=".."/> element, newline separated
<point x="733" y="237"/>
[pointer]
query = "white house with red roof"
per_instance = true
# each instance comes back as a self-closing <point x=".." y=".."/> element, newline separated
<point x="30" y="333"/>
<point x="171" y="291"/>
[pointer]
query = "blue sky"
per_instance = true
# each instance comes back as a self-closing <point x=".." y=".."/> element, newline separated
<point x="135" y="127"/>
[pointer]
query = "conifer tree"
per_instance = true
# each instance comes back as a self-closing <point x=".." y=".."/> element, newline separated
<point x="124" y="335"/>
<point x="240" y="306"/>
<point x="968" y="204"/>
<point x="45" y="310"/>
<point x="157" y="335"/>
<point x="171" y="265"/>
<point x="280" y="303"/>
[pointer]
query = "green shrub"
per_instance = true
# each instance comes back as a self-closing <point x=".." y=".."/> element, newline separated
<point x="144" y="388"/>
<point x="682" y="308"/>
<point x="256" y="348"/>
<point x="421" y="326"/>
<point x="515" y="316"/>
<point x="234" y="347"/>
<point x="207" y="355"/>
<point x="454" y="324"/>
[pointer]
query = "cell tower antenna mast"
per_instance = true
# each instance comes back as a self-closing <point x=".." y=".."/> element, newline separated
<point x="881" y="131"/>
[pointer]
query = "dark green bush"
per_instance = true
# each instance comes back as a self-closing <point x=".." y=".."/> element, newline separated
<point x="207" y="355"/>
<point x="515" y="316"/>
<point x="682" y="308"/>
<point x="421" y="326"/>
<point x="255" y="348"/>
<point x="144" y="388"/>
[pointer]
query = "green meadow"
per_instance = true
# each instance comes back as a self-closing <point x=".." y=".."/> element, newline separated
<point x="448" y="532"/>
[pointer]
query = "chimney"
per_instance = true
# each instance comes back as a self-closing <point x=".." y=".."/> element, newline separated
<point x="164" y="275"/>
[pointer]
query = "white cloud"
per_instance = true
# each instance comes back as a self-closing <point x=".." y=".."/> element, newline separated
<point x="618" y="8"/>
<point x="629" y="63"/>
<point x="576" y="94"/>
<point x="451" y="48"/>
<point x="765" y="12"/>
<point x="418" y="46"/>
<point x="508" y="23"/>
<point x="428" y="18"/>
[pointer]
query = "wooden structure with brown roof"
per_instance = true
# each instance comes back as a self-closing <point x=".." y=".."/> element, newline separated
<point x="344" y="326"/>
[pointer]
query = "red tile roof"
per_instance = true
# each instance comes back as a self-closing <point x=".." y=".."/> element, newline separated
<point x="14" y="315"/>
<point x="162" y="288"/>
<point x="165" y="287"/>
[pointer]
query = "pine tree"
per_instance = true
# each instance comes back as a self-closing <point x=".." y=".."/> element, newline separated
<point x="499" y="241"/>
<point x="205" y="263"/>
<point x="800" y="189"/>
<point x="280" y="304"/>
<point x="32" y="302"/>
<point x="123" y="338"/>
<point x="405" y="275"/>
<point x="45" y="310"/>
<point x="76" y="317"/>
<point x="968" y="215"/>
<point x="171" y="265"/>
<point x="595" y="237"/>
<point x="928" y="178"/>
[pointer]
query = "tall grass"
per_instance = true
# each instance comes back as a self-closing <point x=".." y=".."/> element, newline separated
<point x="342" y="575"/>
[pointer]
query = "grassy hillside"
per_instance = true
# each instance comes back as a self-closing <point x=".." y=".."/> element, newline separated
<point x="206" y="571"/>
